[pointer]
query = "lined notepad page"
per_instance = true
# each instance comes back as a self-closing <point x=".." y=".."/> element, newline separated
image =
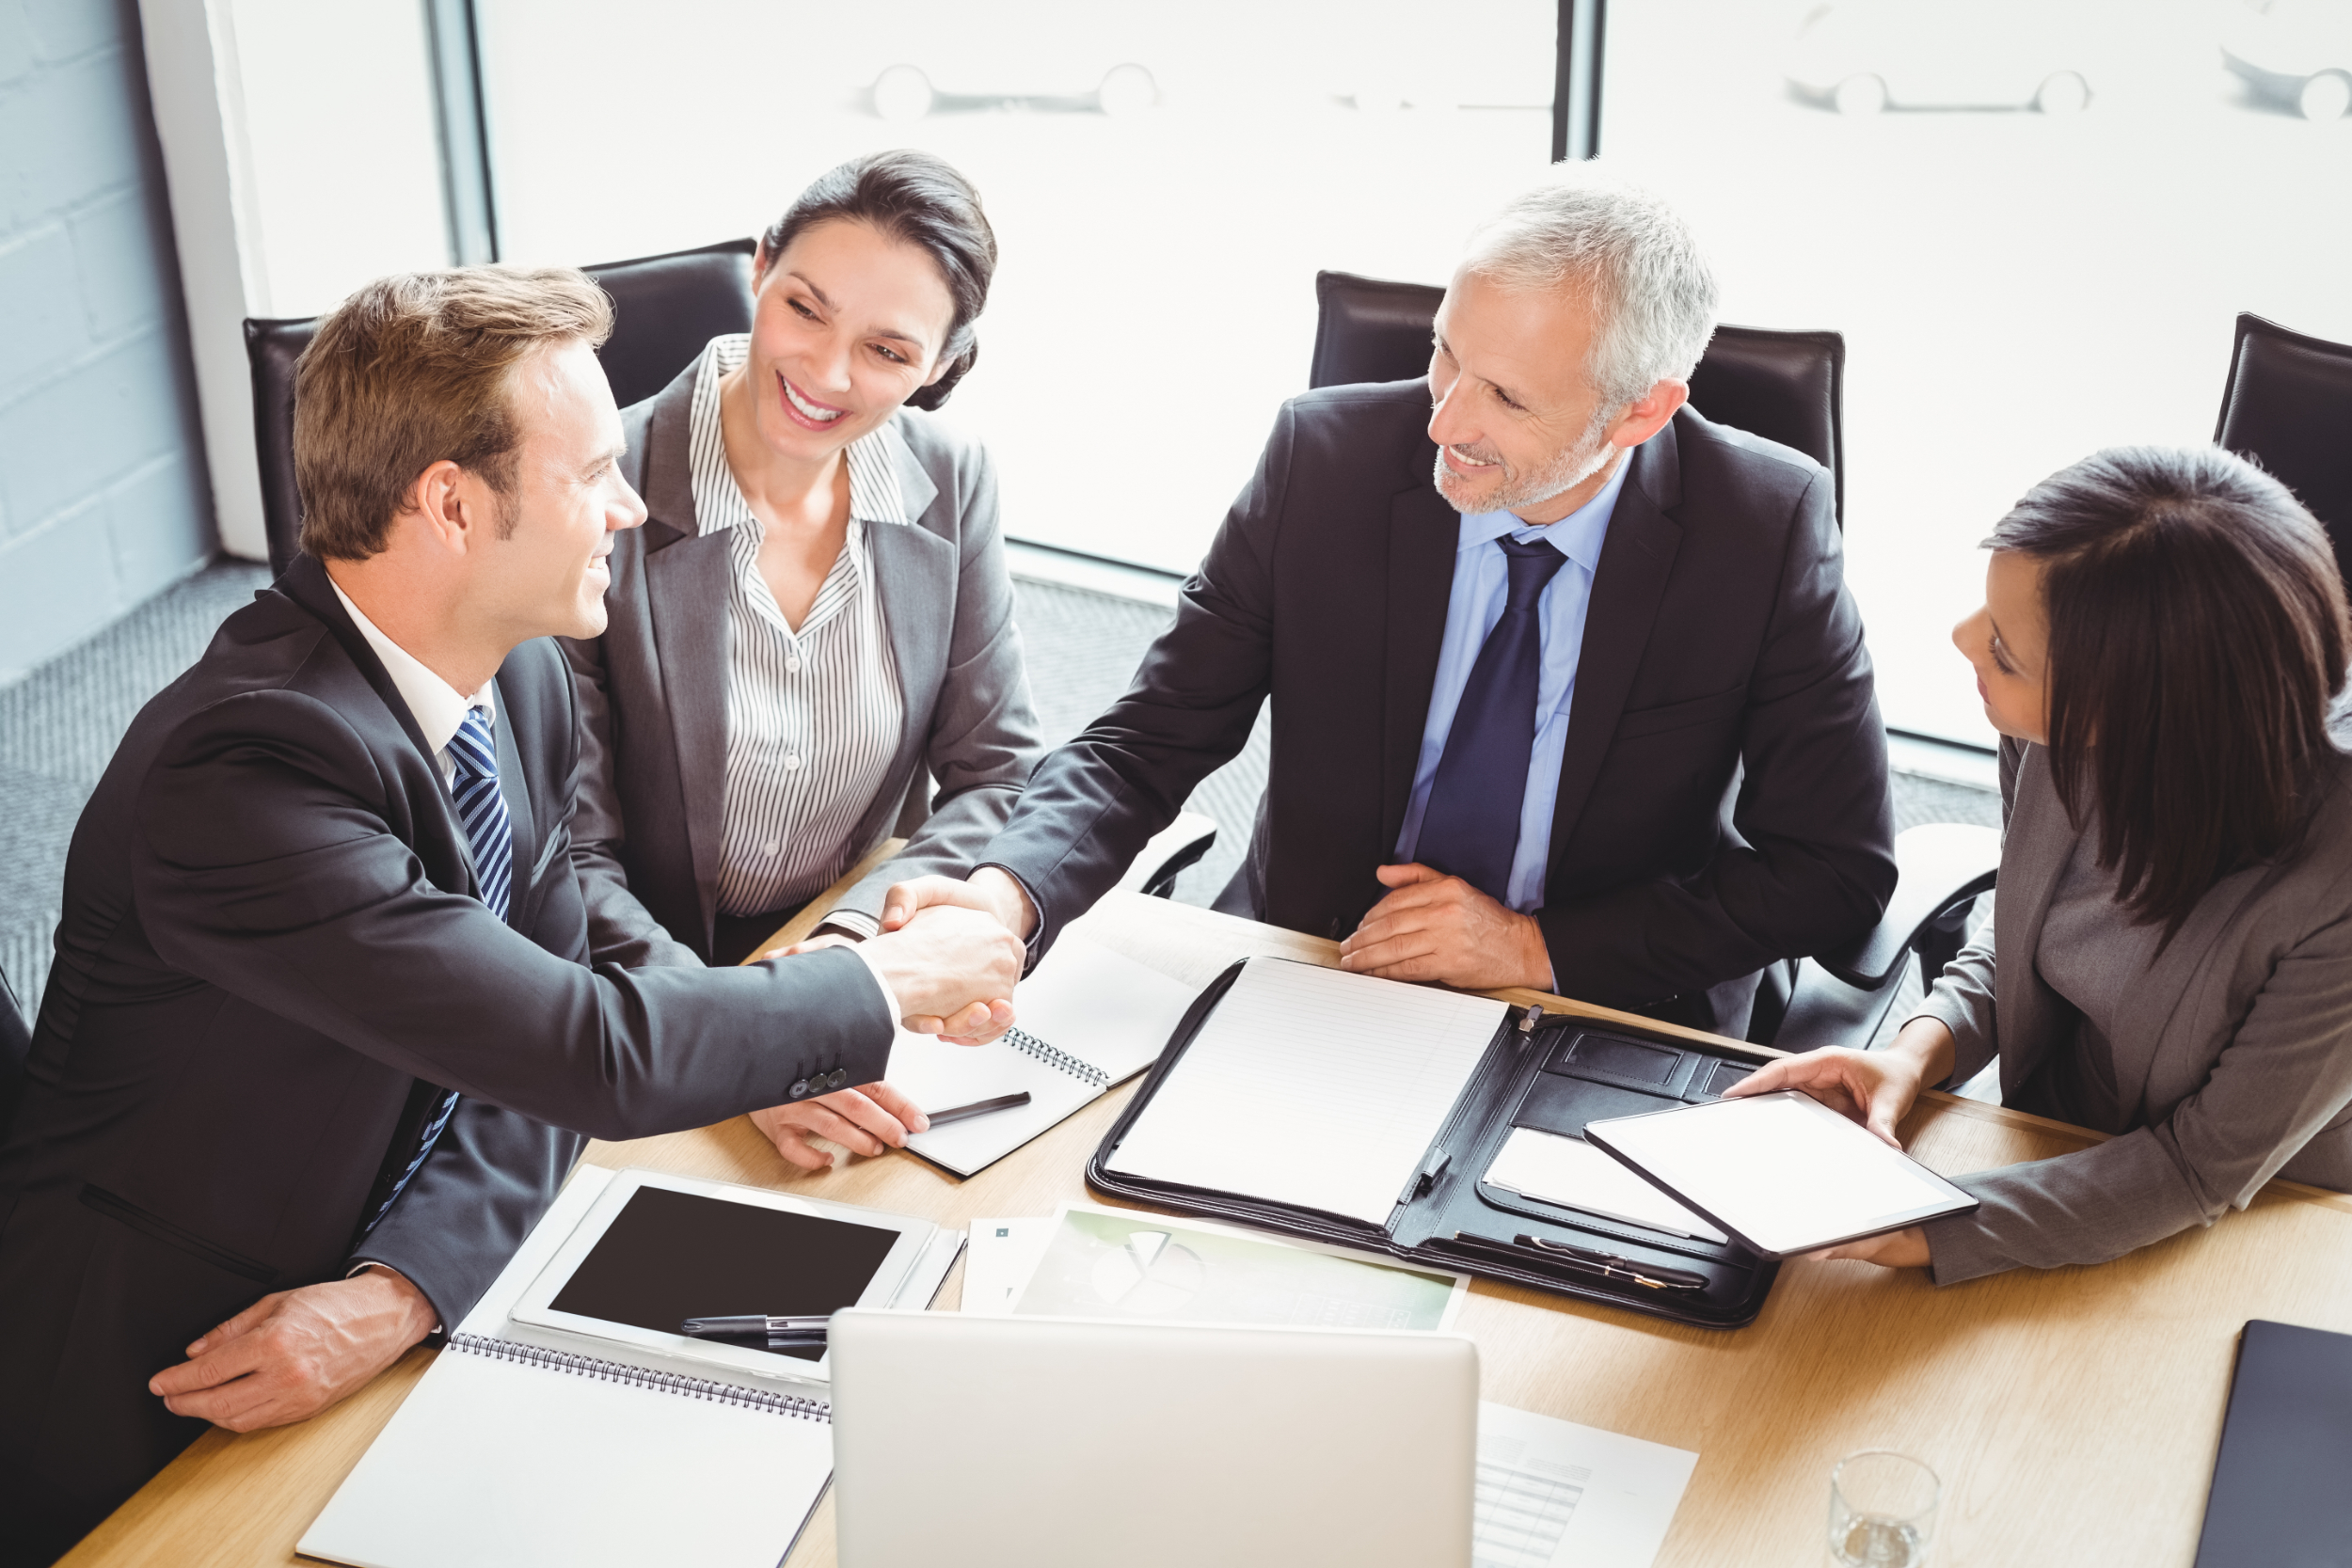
<point x="1313" y="1088"/>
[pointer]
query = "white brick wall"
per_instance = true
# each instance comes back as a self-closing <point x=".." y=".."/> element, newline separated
<point x="103" y="497"/>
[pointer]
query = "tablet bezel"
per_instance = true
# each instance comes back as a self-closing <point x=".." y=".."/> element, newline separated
<point x="1957" y="1201"/>
<point x="890" y="1275"/>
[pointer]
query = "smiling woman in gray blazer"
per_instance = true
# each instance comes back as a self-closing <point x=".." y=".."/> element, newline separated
<point x="2163" y="643"/>
<point x="814" y="627"/>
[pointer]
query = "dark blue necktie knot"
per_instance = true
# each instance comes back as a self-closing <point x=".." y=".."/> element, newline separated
<point x="1533" y="565"/>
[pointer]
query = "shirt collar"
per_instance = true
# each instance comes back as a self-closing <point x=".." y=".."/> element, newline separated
<point x="1579" y="535"/>
<point x="875" y="494"/>
<point x="437" y="707"/>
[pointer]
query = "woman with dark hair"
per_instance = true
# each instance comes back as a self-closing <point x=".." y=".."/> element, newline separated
<point x="2163" y="644"/>
<point x="814" y="627"/>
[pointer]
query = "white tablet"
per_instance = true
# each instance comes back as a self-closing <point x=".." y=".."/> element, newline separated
<point x="1783" y="1173"/>
<point x="656" y="1249"/>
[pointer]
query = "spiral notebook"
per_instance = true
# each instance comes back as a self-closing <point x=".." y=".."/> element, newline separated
<point x="1089" y="1018"/>
<point x="521" y="1448"/>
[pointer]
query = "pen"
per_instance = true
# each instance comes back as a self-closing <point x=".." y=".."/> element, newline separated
<point x="977" y="1108"/>
<point x="774" y="1332"/>
<point x="1656" y="1277"/>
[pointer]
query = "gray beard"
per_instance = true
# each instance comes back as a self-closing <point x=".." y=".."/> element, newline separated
<point x="1565" y="472"/>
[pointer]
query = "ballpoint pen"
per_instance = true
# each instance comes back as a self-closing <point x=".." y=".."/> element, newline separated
<point x="1657" y="1276"/>
<point x="774" y="1333"/>
<point x="977" y="1108"/>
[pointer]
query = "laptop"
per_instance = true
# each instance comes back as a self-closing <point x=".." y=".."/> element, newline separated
<point x="1072" y="1443"/>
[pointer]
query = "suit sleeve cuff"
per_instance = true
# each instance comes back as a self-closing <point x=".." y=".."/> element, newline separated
<point x="365" y="1264"/>
<point x="851" y="923"/>
<point x="873" y="967"/>
<point x="1034" y="948"/>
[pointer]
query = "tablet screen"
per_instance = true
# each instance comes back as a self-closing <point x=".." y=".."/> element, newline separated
<point x="1783" y="1172"/>
<point x="669" y="1255"/>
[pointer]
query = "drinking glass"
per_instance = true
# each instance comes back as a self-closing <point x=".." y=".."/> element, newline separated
<point x="1882" y="1511"/>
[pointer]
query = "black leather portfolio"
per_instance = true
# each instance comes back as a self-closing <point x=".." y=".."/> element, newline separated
<point x="2279" y="1497"/>
<point x="1485" y="1196"/>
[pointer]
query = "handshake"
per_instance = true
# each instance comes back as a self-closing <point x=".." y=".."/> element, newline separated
<point x="951" y="950"/>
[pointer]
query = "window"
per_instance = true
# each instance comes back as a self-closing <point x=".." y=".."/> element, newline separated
<point x="1165" y="182"/>
<point x="2034" y="221"/>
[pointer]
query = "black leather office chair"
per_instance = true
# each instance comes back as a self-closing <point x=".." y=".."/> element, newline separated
<point x="16" y="1044"/>
<point x="2288" y="406"/>
<point x="1785" y="386"/>
<point x="665" y="309"/>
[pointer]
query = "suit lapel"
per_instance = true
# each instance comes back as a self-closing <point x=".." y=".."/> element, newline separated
<point x="2039" y="844"/>
<point x="687" y="578"/>
<point x="914" y="583"/>
<point x="2153" y="1000"/>
<point x="306" y="583"/>
<point x="1636" y="558"/>
<point x="1424" y="534"/>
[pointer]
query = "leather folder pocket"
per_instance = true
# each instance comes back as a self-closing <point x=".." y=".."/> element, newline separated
<point x="176" y="1237"/>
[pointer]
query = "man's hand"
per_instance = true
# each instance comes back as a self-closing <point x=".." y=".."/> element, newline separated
<point x="871" y="1118"/>
<point x="293" y="1353"/>
<point x="1433" y="926"/>
<point x="987" y="890"/>
<point x="952" y="969"/>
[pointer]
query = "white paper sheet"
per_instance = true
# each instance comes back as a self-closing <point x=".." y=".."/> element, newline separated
<point x="1001" y="1256"/>
<point x="1574" y="1174"/>
<point x="1111" y="1013"/>
<point x="1312" y="1086"/>
<point x="1552" y="1493"/>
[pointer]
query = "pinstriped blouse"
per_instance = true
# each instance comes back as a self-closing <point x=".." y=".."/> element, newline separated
<point x="813" y="713"/>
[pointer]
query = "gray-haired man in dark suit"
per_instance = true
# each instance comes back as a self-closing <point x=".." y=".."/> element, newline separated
<point x="1523" y="624"/>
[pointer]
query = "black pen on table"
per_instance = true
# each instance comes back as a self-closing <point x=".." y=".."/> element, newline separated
<point x="977" y="1108"/>
<point x="774" y="1332"/>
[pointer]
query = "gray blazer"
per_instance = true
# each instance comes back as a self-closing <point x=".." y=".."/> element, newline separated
<point x="653" y="690"/>
<point x="2233" y="1057"/>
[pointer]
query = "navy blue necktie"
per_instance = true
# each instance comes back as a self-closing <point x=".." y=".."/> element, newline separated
<point x="1470" y="827"/>
<point x="474" y="789"/>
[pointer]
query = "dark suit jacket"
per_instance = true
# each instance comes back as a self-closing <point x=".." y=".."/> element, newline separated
<point x="653" y="690"/>
<point x="271" y="950"/>
<point x="1720" y="636"/>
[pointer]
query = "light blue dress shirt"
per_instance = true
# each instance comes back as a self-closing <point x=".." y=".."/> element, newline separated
<point x="1480" y="584"/>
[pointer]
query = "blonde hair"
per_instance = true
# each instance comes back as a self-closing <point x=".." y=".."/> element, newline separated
<point x="413" y="370"/>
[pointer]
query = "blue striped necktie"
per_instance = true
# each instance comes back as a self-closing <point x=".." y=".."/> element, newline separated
<point x="474" y="789"/>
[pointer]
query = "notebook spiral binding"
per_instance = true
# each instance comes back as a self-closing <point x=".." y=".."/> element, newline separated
<point x="1077" y="1067"/>
<point x="643" y="1377"/>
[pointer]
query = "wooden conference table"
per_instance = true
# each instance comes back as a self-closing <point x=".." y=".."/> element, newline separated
<point x="2072" y="1415"/>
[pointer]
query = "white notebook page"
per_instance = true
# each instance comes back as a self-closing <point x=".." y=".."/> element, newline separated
<point x="1102" y="1007"/>
<point x="1312" y="1086"/>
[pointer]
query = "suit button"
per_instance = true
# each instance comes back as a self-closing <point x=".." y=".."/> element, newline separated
<point x="799" y="1090"/>
<point x="837" y="1077"/>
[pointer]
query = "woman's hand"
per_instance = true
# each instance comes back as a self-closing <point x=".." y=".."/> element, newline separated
<point x="872" y="1118"/>
<point x="1897" y="1249"/>
<point x="1876" y="1088"/>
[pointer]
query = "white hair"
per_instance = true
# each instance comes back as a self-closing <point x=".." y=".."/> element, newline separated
<point x="1653" y="294"/>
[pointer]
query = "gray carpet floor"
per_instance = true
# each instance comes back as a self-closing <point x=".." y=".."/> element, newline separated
<point x="59" y="725"/>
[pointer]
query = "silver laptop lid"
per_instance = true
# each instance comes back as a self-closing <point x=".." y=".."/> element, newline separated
<point x="1072" y="1443"/>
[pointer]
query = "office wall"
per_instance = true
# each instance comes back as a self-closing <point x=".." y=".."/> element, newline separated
<point x="103" y="497"/>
